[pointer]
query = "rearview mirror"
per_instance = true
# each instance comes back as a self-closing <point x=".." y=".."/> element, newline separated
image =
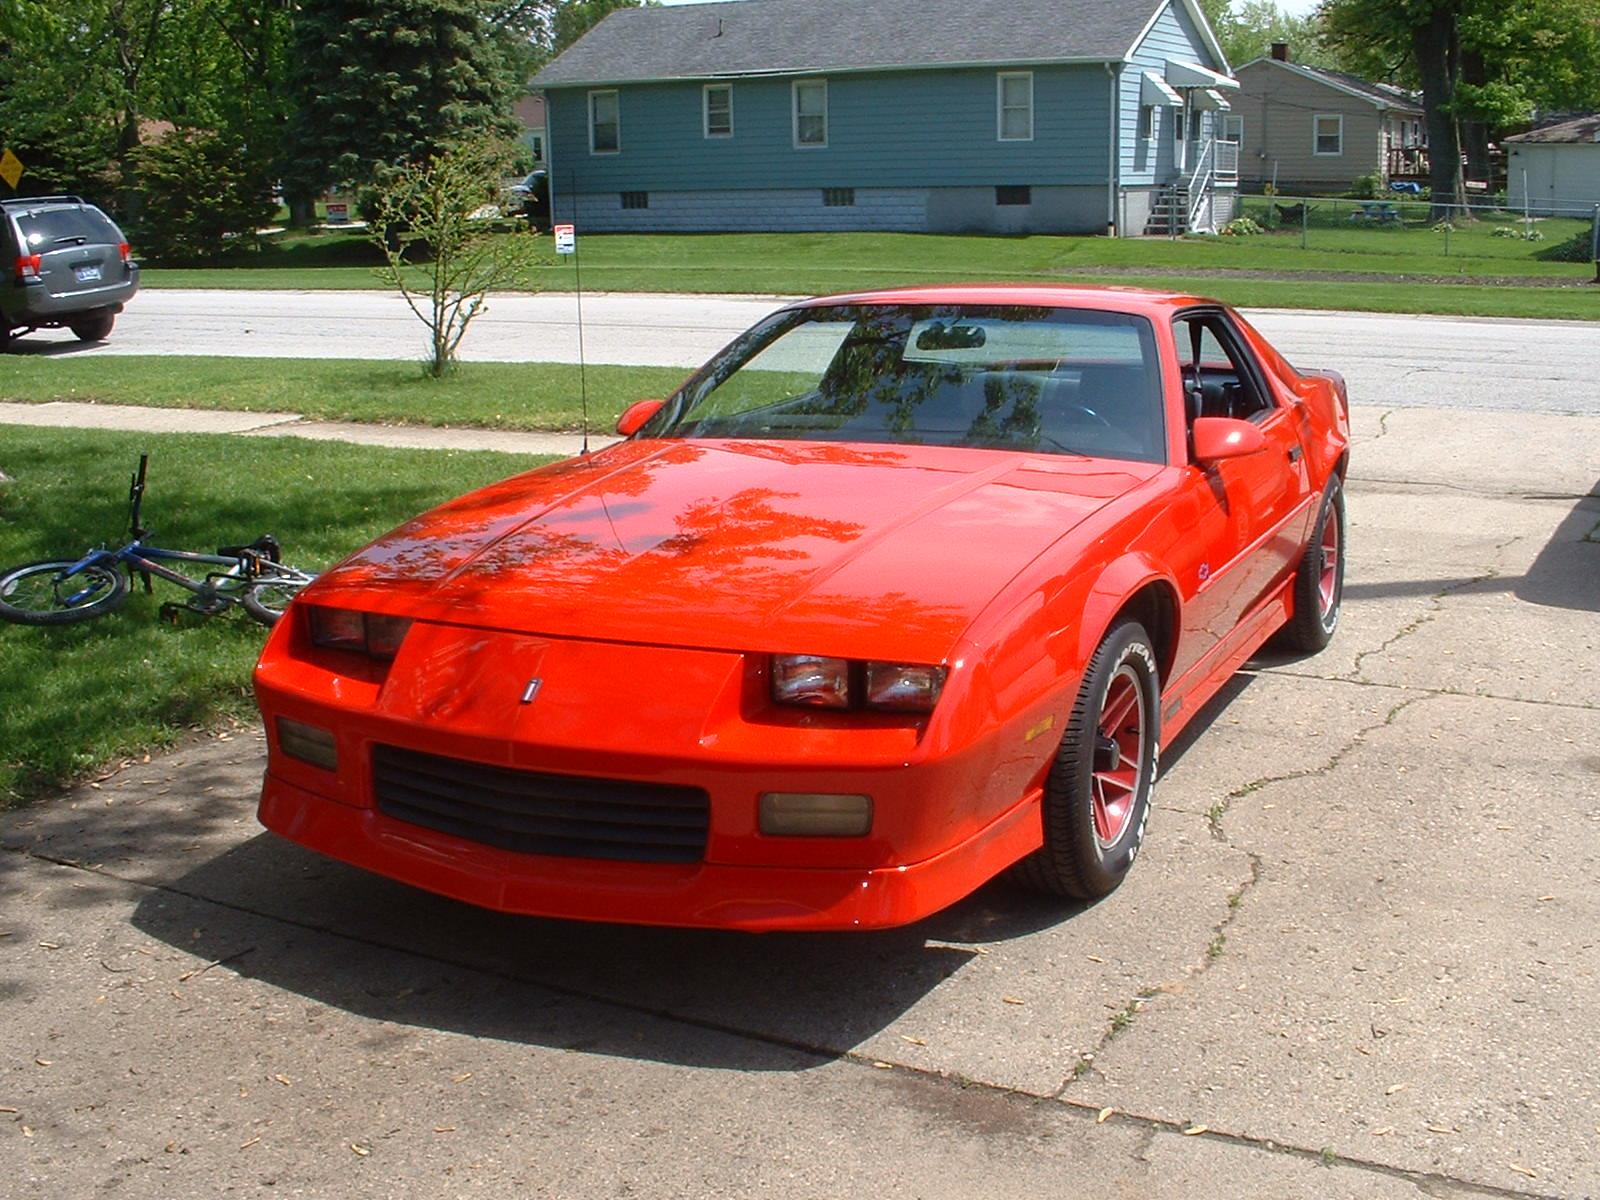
<point x="636" y="415"/>
<point x="1217" y="438"/>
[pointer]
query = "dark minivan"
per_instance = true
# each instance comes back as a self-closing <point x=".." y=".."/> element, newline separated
<point x="69" y="266"/>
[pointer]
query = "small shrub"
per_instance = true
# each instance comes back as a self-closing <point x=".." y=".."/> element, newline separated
<point x="1579" y="248"/>
<point x="1364" y="187"/>
<point x="1241" y="227"/>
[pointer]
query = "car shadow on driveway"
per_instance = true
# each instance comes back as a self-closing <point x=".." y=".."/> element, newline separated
<point x="274" y="912"/>
<point x="1564" y="574"/>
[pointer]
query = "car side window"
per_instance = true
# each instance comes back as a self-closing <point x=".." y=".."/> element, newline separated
<point x="1219" y="377"/>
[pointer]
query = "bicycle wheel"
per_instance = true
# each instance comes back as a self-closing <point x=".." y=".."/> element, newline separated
<point x="267" y="598"/>
<point x="44" y="594"/>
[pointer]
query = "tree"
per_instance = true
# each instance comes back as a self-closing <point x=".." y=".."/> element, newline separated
<point x="427" y="228"/>
<point x="384" y="85"/>
<point x="1482" y="65"/>
<point x="200" y="192"/>
<point x="1249" y="34"/>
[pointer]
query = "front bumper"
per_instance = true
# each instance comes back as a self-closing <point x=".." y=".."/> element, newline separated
<point x="706" y="895"/>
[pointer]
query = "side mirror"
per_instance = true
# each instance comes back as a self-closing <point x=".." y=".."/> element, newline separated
<point x="1225" y="437"/>
<point x="636" y="415"/>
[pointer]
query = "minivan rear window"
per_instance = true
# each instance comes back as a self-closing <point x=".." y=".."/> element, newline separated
<point x="65" y="226"/>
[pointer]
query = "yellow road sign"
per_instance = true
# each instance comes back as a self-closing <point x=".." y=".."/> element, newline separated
<point x="10" y="168"/>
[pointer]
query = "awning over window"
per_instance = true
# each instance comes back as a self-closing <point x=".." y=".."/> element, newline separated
<point x="1193" y="75"/>
<point x="1210" y="98"/>
<point x="1153" y="90"/>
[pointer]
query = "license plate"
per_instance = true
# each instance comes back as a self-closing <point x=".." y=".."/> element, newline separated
<point x="86" y="274"/>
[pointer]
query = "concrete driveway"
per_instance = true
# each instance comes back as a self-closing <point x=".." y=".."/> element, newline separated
<point x="1357" y="959"/>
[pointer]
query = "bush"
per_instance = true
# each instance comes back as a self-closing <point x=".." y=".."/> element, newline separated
<point x="1241" y="227"/>
<point x="1365" y="187"/>
<point x="1579" y="248"/>
<point x="198" y="195"/>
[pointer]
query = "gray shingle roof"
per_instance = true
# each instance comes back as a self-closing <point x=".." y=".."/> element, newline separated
<point x="1578" y="131"/>
<point x="707" y="41"/>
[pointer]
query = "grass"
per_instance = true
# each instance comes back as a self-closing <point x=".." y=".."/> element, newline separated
<point x="485" y="395"/>
<point x="1406" y="268"/>
<point x="78" y="696"/>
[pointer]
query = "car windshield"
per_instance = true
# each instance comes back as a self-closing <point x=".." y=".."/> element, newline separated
<point x="1035" y="378"/>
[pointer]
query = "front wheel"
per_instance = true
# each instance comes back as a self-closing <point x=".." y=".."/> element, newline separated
<point x="267" y="599"/>
<point x="45" y="594"/>
<point x="1097" y="795"/>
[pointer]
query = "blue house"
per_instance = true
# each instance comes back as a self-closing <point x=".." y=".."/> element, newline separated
<point x="930" y="116"/>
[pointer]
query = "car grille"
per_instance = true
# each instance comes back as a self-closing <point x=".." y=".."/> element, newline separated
<point x="564" y="815"/>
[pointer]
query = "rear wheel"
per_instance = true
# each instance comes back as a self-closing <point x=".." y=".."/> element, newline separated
<point x="1097" y="795"/>
<point x="267" y="599"/>
<point x="44" y="594"/>
<point x="93" y="329"/>
<point x="1319" y="580"/>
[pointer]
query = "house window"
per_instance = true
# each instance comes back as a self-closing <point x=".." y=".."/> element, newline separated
<point x="1233" y="129"/>
<point x="1013" y="194"/>
<point x="719" y="110"/>
<point x="1194" y="124"/>
<point x="1327" y="134"/>
<point x="811" y="112"/>
<point x="605" y="128"/>
<point x="1014" y="101"/>
<point x="1147" y="121"/>
<point x="838" y="197"/>
<point x="1179" y="123"/>
<point x="635" y="199"/>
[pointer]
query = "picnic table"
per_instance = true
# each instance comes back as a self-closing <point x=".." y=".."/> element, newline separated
<point x="1376" y="213"/>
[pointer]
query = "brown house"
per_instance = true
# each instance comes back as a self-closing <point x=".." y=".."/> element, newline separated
<point x="1309" y="129"/>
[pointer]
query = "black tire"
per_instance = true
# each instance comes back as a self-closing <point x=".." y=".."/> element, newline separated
<point x="36" y="594"/>
<point x="267" y="599"/>
<point x="1097" y="795"/>
<point x="1319" y="580"/>
<point x="93" y="329"/>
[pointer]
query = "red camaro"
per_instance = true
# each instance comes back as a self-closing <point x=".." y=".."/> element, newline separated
<point x="898" y="592"/>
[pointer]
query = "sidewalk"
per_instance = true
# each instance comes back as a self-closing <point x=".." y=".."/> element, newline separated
<point x="62" y="414"/>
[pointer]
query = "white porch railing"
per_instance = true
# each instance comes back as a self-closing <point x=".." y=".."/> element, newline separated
<point x="1218" y="164"/>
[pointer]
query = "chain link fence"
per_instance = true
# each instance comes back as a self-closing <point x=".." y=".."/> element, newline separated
<point x="1338" y="223"/>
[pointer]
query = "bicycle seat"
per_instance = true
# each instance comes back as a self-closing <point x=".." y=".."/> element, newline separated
<point x="266" y="546"/>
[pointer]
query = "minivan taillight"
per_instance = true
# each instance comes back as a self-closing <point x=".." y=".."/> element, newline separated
<point x="27" y="266"/>
<point x="125" y="250"/>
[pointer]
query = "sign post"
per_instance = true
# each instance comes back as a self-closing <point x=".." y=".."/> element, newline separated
<point x="567" y="243"/>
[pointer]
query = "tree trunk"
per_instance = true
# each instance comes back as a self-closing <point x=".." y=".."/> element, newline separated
<point x="1436" y="43"/>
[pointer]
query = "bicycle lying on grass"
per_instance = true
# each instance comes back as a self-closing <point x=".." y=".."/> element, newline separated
<point x="56" y="593"/>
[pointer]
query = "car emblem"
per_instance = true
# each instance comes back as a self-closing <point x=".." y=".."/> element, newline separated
<point x="532" y="690"/>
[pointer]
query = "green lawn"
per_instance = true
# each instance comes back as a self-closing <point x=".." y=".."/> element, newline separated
<point x="1402" y="268"/>
<point x="486" y="395"/>
<point x="78" y="696"/>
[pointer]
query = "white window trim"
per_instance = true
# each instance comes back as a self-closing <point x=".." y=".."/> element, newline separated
<point x="1231" y="121"/>
<point x="1147" y="122"/>
<point x="705" y="109"/>
<point x="593" y="96"/>
<point x="1316" y="121"/>
<point x="794" y="109"/>
<point x="1000" y="105"/>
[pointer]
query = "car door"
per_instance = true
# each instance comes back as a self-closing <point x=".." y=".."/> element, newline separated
<point x="1251" y="511"/>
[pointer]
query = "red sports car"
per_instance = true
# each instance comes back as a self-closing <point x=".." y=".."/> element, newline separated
<point x="900" y="591"/>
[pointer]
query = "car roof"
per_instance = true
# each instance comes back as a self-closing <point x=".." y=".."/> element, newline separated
<point x="1146" y="301"/>
<point x="42" y="201"/>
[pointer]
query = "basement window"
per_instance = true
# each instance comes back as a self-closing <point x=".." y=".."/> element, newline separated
<point x="635" y="199"/>
<point x="1013" y="194"/>
<point x="838" y="197"/>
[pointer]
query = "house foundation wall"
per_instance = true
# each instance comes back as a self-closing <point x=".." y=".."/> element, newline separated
<point x="1058" y="210"/>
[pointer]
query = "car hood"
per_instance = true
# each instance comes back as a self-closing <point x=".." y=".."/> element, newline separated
<point x="887" y="551"/>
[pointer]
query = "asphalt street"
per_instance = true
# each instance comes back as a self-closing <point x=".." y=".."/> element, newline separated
<point x="1395" y="361"/>
<point x="1358" y="957"/>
